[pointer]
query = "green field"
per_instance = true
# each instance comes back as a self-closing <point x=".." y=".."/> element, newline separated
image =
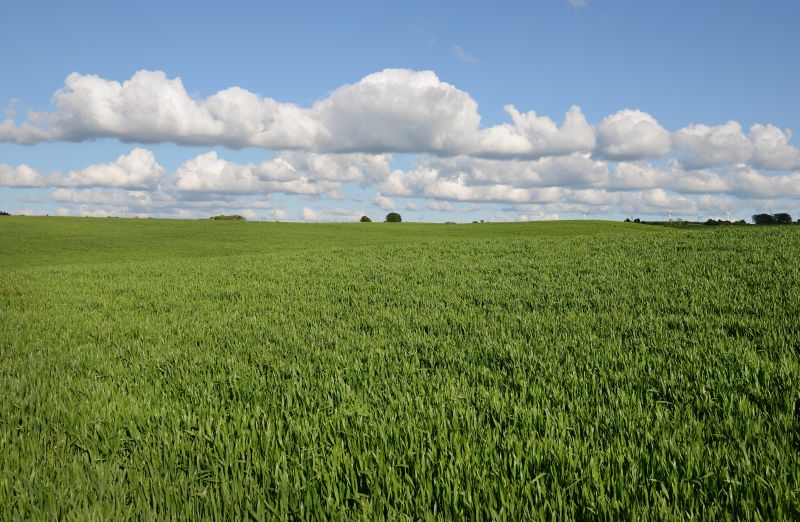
<point x="160" y="369"/>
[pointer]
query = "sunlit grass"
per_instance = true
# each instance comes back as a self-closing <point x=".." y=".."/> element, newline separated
<point x="271" y="370"/>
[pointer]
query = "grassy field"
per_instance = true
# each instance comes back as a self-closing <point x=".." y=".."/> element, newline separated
<point x="196" y="369"/>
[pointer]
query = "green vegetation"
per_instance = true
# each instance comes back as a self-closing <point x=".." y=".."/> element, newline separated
<point x="781" y="218"/>
<point x="365" y="219"/>
<point x="160" y="369"/>
<point x="393" y="217"/>
<point x="233" y="217"/>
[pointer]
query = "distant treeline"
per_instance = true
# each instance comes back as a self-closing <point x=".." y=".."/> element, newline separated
<point x="780" y="218"/>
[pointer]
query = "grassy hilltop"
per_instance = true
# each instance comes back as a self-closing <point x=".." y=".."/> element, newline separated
<point x="276" y="370"/>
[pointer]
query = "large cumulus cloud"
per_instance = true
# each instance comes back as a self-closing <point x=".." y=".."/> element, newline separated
<point x="394" y="110"/>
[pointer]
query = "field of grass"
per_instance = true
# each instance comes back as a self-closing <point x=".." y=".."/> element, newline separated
<point x="160" y="369"/>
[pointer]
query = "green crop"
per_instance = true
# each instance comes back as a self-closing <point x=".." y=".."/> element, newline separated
<point x="229" y="370"/>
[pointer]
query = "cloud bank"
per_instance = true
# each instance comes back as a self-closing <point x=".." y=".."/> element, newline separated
<point x="394" y="110"/>
<point x="627" y="160"/>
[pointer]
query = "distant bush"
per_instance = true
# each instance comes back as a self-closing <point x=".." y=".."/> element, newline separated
<point x="4" y="213"/>
<point x="637" y="220"/>
<point x="234" y="217"/>
<point x="782" y="218"/>
<point x="365" y="219"/>
<point x="393" y="217"/>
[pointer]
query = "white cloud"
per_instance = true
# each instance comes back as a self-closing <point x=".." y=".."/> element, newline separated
<point x="578" y="3"/>
<point x="113" y="198"/>
<point x="703" y="146"/>
<point x="771" y="149"/>
<point x="21" y="176"/>
<point x="122" y="202"/>
<point x="383" y="202"/>
<point x="398" y="110"/>
<point x="439" y="206"/>
<point x="152" y="108"/>
<point x="534" y="136"/>
<point x="309" y="214"/>
<point x="632" y="134"/>
<point x="748" y="182"/>
<point x="290" y="173"/>
<point x="462" y="55"/>
<point x="28" y="133"/>
<point x="137" y="170"/>
<point x="575" y="170"/>
<point x="764" y="147"/>
<point x="641" y="175"/>
<point x="394" y="110"/>
<point x="329" y="215"/>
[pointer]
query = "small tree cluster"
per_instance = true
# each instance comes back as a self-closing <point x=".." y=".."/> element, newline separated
<point x="393" y="217"/>
<point x="780" y="218"/>
<point x="365" y="219"/>
<point x="4" y="213"/>
<point x="233" y="217"/>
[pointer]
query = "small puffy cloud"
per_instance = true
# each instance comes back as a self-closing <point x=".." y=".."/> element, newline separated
<point x="702" y="146"/>
<point x="21" y="176"/>
<point x="323" y="215"/>
<point x="764" y="147"/>
<point x="210" y="173"/>
<point x="771" y="149"/>
<point x="383" y="202"/>
<point x="137" y="170"/>
<point x="439" y="206"/>
<point x="632" y="134"/>
<point x="534" y="136"/>
<point x="27" y="134"/>
<point x="462" y="55"/>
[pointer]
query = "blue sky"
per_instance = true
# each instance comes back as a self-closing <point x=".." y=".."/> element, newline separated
<point x="680" y="63"/>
